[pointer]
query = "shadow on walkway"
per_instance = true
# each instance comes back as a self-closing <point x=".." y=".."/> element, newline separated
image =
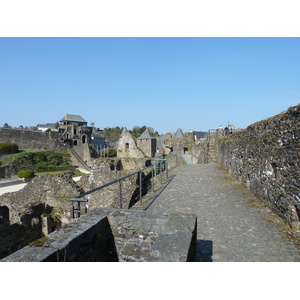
<point x="204" y="250"/>
<point x="152" y="199"/>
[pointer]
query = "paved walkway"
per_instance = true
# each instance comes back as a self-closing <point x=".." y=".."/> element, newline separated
<point x="8" y="186"/>
<point x="233" y="226"/>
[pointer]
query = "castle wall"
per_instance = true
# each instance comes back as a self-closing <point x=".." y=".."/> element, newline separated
<point x="31" y="139"/>
<point x="266" y="158"/>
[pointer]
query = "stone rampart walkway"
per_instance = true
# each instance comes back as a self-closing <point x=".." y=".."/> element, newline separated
<point x="233" y="226"/>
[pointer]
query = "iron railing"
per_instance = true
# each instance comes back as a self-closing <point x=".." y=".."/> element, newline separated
<point x="160" y="165"/>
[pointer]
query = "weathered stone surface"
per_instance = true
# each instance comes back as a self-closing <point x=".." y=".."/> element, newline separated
<point x="266" y="158"/>
<point x="53" y="191"/>
<point x="118" y="235"/>
<point x="127" y="147"/>
<point x="31" y="139"/>
<point x="106" y="171"/>
<point x="39" y="208"/>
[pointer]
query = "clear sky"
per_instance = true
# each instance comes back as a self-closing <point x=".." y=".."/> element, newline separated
<point x="166" y="83"/>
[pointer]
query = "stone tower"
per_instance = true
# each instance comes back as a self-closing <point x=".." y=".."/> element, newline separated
<point x="147" y="143"/>
<point x="74" y="130"/>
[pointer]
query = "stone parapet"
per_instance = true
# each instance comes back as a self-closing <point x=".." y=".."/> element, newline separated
<point x="117" y="235"/>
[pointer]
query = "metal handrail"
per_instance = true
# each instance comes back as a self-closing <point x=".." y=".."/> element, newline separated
<point x="79" y="199"/>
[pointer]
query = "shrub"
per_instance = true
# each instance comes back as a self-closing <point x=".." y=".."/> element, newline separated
<point x="25" y="173"/>
<point x="8" y="148"/>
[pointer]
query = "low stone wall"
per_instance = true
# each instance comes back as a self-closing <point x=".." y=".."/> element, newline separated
<point x="266" y="158"/>
<point x="117" y="235"/>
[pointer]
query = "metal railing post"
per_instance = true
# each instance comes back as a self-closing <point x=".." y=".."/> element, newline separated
<point x="120" y="194"/>
<point x="72" y="211"/>
<point x="78" y="209"/>
<point x="160" y="170"/>
<point x="140" y="174"/>
<point x="167" y="174"/>
<point x="153" y="180"/>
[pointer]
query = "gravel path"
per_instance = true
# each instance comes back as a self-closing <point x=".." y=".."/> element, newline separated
<point x="233" y="226"/>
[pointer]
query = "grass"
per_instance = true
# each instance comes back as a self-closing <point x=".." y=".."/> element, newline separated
<point x="20" y="154"/>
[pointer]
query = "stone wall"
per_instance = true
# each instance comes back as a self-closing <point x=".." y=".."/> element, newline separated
<point x="105" y="171"/>
<point x="42" y="206"/>
<point x="117" y="235"/>
<point x="31" y="139"/>
<point x="126" y="146"/>
<point x="266" y="158"/>
<point x="199" y="152"/>
<point x="53" y="191"/>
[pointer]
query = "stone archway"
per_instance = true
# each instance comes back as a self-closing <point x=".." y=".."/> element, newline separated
<point x="83" y="139"/>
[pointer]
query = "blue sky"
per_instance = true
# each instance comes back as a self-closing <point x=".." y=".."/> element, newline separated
<point x="194" y="83"/>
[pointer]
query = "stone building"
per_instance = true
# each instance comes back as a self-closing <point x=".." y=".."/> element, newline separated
<point x="147" y="143"/>
<point x="127" y="147"/>
<point x="75" y="134"/>
<point x="74" y="130"/>
<point x="98" y="141"/>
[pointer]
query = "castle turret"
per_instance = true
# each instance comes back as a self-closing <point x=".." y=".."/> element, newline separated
<point x="147" y="143"/>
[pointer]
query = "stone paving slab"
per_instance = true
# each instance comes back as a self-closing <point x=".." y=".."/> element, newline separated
<point x="233" y="225"/>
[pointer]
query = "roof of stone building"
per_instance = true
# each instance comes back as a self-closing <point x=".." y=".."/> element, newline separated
<point x="97" y="135"/>
<point x="73" y="118"/>
<point x="146" y="135"/>
<point x="200" y="134"/>
<point x="45" y="125"/>
<point x="179" y="134"/>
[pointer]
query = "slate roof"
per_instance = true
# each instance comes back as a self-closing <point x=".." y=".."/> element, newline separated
<point x="146" y="135"/>
<point x="47" y="125"/>
<point x="179" y="134"/>
<point x="200" y="134"/>
<point x="73" y="118"/>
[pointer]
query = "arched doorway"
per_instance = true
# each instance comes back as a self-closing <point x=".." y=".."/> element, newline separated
<point x="83" y="139"/>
